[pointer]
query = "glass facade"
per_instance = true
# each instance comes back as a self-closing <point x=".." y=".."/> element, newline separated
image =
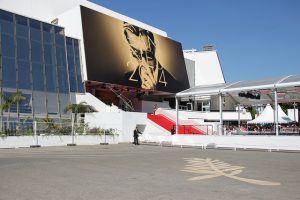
<point x="38" y="60"/>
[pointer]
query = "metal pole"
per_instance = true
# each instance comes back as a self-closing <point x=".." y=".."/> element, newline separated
<point x="177" y="115"/>
<point x="276" y="112"/>
<point x="72" y="124"/>
<point x="72" y="132"/>
<point x="35" y="134"/>
<point x="221" y="115"/>
<point x="294" y="104"/>
<point x="239" y="118"/>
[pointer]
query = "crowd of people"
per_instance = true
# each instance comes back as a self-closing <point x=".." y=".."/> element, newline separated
<point x="292" y="128"/>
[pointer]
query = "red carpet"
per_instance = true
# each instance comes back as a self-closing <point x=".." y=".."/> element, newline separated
<point x="169" y="124"/>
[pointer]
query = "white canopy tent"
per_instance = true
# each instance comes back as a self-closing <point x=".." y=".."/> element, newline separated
<point x="270" y="91"/>
<point x="267" y="116"/>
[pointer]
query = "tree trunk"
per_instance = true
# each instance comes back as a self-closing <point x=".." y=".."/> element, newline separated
<point x="8" y="120"/>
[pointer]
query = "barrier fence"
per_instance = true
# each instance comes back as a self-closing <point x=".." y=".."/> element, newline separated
<point x="234" y="130"/>
<point x="35" y="134"/>
<point x="15" y="128"/>
<point x="270" y="130"/>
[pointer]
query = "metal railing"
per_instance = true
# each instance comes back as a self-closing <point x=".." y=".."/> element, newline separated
<point x="46" y="131"/>
<point x="16" y="128"/>
<point x="127" y="102"/>
<point x="195" y="129"/>
<point x="270" y="130"/>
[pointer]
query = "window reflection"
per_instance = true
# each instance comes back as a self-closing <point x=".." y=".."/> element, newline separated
<point x="38" y="61"/>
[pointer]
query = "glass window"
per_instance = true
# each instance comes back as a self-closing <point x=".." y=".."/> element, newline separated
<point x="23" y="49"/>
<point x="51" y="78"/>
<point x="48" y="38"/>
<point x="61" y="56"/>
<point x="69" y="41"/>
<point x="72" y="74"/>
<point x="71" y="65"/>
<point x="36" y="51"/>
<point x="81" y="87"/>
<point x="59" y="30"/>
<point x="24" y="75"/>
<point x="22" y="28"/>
<point x="48" y="28"/>
<point x="35" y="35"/>
<point x="8" y="47"/>
<point x="48" y="33"/>
<point x="64" y="101"/>
<point x="52" y="105"/>
<point x="22" y="31"/>
<point x="38" y="76"/>
<point x="25" y="106"/>
<point x="76" y="44"/>
<point x="80" y="84"/>
<point x="8" y="72"/>
<point x="49" y="54"/>
<point x="39" y="102"/>
<point x="63" y="79"/>
<point x="6" y="16"/>
<point x="70" y="50"/>
<point x="6" y="19"/>
<point x="35" y="30"/>
<point x="59" y="40"/>
<point x="76" y="49"/>
<point x="21" y="20"/>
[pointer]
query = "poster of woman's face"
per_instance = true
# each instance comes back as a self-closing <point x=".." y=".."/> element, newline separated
<point x="118" y="52"/>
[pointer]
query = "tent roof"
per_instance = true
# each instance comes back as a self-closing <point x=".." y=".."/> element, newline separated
<point x="288" y="88"/>
<point x="267" y="117"/>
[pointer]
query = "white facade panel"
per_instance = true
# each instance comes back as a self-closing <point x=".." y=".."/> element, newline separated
<point x="207" y="67"/>
<point x="48" y="10"/>
<point x="190" y="68"/>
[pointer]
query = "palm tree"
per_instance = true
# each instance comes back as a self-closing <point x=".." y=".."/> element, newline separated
<point x="82" y="107"/>
<point x="16" y="99"/>
<point x="8" y="102"/>
<point x="5" y="105"/>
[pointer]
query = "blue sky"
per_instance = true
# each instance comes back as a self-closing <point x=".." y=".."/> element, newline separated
<point x="255" y="39"/>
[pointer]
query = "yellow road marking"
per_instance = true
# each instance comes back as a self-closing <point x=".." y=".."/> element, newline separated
<point x="215" y="168"/>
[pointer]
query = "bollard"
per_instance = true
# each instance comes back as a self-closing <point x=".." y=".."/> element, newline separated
<point x="36" y="145"/>
<point x="104" y="143"/>
<point x="72" y="132"/>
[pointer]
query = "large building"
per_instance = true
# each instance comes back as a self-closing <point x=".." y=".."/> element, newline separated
<point x="60" y="52"/>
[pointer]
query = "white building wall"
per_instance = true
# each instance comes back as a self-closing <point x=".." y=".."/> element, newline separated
<point x="124" y="122"/>
<point x="96" y="103"/>
<point x="148" y="106"/>
<point x="47" y="10"/>
<point x="207" y="67"/>
<point x="190" y="68"/>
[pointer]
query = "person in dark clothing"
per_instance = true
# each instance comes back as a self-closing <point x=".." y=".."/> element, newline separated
<point x="136" y="133"/>
<point x="172" y="131"/>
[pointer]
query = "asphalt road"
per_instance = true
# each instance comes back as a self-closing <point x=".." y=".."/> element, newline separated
<point x="145" y="172"/>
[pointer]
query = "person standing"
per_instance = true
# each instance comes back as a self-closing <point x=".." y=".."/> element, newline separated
<point x="154" y="108"/>
<point x="136" y="133"/>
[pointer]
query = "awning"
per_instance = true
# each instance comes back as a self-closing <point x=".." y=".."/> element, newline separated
<point x="288" y="90"/>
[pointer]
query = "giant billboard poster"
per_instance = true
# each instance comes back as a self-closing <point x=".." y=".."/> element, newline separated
<point x="120" y="53"/>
